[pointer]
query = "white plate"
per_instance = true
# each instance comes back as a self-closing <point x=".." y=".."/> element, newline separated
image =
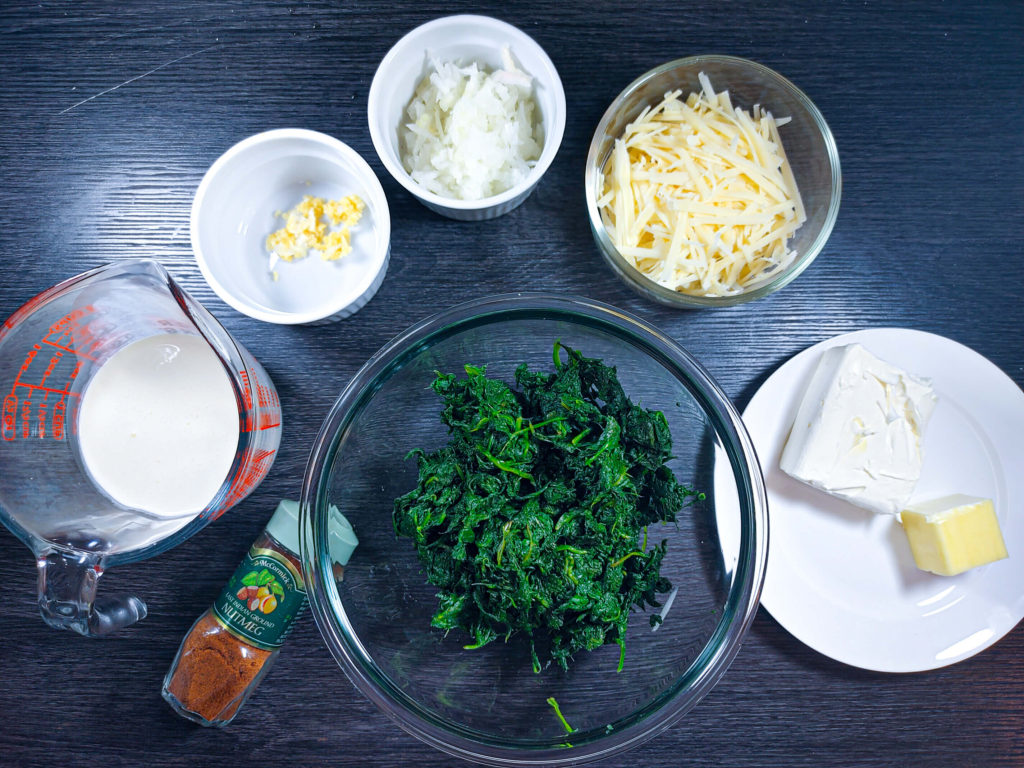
<point x="842" y="579"/>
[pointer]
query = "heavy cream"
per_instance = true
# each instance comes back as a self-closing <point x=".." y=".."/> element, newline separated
<point x="158" y="426"/>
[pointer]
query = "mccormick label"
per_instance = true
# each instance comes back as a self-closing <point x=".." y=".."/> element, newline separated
<point x="262" y="599"/>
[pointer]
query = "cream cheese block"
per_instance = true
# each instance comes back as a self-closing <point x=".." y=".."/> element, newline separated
<point x="953" y="534"/>
<point x="858" y="431"/>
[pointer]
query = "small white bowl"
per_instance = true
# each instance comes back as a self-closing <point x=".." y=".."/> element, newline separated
<point x="461" y="39"/>
<point x="236" y="207"/>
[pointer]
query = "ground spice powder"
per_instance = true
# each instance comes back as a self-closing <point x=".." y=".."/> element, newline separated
<point x="214" y="670"/>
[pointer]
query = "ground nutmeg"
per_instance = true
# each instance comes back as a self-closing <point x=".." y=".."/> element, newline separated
<point x="232" y="645"/>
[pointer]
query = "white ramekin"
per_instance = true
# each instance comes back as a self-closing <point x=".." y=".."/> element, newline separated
<point x="237" y="206"/>
<point x="462" y="39"/>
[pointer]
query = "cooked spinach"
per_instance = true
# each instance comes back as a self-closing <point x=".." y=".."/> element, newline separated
<point x="533" y="518"/>
<point x="553" y="703"/>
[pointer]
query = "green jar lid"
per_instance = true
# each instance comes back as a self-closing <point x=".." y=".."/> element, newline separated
<point x="284" y="526"/>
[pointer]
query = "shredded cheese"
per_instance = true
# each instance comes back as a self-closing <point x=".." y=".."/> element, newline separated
<point x="306" y="230"/>
<point x="699" y="196"/>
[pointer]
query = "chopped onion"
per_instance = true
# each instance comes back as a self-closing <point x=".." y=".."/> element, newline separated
<point x="471" y="134"/>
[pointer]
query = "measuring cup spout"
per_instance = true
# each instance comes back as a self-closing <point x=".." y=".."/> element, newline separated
<point x="67" y="595"/>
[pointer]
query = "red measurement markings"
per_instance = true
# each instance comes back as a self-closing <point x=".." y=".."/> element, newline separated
<point x="54" y="362"/>
<point x="26" y="416"/>
<point x="263" y="421"/>
<point x="263" y="394"/>
<point x="246" y="389"/>
<point x="70" y="335"/>
<point x="247" y="425"/>
<point x="61" y="405"/>
<point x="13" y="405"/>
<point x="42" y="418"/>
<point x="36" y="387"/>
<point x="10" y="402"/>
<point x="253" y="470"/>
<point x="66" y="349"/>
<point x="58" y="420"/>
<point x="50" y="422"/>
<point x="30" y="306"/>
<point x="270" y="413"/>
<point x="26" y="404"/>
<point x="9" y="412"/>
<point x="28" y="361"/>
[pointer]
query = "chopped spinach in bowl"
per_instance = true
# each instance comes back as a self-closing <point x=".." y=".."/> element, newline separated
<point x="533" y="518"/>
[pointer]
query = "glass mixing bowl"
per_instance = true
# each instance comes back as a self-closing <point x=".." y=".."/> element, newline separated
<point x="808" y="142"/>
<point x="487" y="704"/>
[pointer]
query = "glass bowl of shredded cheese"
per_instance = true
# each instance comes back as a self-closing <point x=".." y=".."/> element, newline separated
<point x="711" y="181"/>
<point x="467" y="113"/>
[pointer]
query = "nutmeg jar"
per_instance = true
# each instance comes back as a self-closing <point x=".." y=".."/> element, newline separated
<point x="232" y="645"/>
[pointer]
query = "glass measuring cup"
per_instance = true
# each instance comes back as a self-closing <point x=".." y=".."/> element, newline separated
<point x="57" y="346"/>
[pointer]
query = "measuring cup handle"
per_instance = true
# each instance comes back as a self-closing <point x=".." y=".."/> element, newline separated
<point x="67" y="595"/>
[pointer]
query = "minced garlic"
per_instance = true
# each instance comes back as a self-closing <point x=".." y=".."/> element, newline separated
<point x="306" y="229"/>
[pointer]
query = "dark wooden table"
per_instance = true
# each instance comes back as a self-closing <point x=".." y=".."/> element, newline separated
<point x="111" y="112"/>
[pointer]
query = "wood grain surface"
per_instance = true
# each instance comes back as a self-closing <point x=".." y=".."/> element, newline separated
<point x="110" y="113"/>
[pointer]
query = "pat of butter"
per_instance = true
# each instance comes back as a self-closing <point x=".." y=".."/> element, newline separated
<point x="858" y="431"/>
<point x="953" y="534"/>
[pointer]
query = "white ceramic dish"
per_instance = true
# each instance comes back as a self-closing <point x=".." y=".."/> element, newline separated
<point x="842" y="579"/>
<point x="235" y="209"/>
<point x="462" y="39"/>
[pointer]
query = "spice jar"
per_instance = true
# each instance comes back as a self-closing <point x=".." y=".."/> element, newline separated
<point x="233" y="644"/>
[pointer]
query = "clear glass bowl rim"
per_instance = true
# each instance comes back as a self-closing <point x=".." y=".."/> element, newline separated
<point x="660" y="293"/>
<point x="744" y="594"/>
